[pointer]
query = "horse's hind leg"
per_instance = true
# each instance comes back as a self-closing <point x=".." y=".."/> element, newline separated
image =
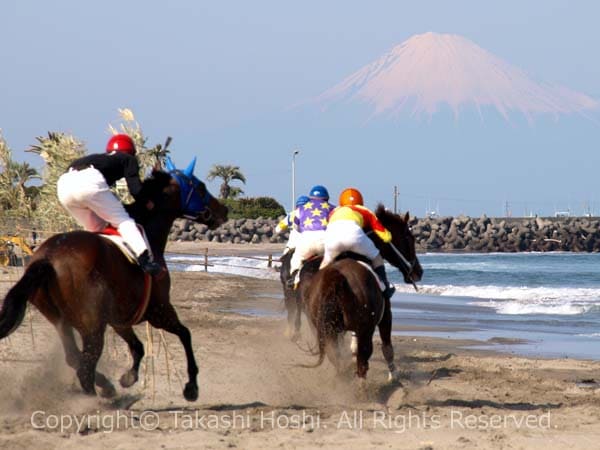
<point x="73" y="357"/>
<point x="136" y="349"/>
<point x="365" y="350"/>
<point x="165" y="317"/>
<point x="385" y="332"/>
<point x="93" y="344"/>
<point x="67" y="338"/>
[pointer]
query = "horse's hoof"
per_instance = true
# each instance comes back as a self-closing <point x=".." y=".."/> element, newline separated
<point x="90" y="392"/>
<point x="354" y="345"/>
<point x="394" y="377"/>
<point x="128" y="379"/>
<point x="362" y="393"/>
<point x="108" y="392"/>
<point x="190" y="392"/>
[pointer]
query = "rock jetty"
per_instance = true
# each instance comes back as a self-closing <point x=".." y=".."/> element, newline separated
<point x="443" y="234"/>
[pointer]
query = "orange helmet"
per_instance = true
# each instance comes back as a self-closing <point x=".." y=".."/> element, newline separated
<point x="120" y="143"/>
<point x="351" y="196"/>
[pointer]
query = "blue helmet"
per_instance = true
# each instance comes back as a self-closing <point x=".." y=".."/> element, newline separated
<point x="319" y="192"/>
<point x="302" y="200"/>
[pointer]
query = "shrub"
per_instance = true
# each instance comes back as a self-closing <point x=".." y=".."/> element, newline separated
<point x="252" y="208"/>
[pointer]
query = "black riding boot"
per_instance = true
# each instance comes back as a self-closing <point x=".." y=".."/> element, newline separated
<point x="147" y="265"/>
<point x="389" y="288"/>
<point x="290" y="283"/>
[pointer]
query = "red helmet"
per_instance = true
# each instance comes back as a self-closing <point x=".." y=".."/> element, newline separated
<point x="120" y="143"/>
<point x="351" y="196"/>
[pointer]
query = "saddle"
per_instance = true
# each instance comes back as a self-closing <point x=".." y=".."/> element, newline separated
<point x="310" y="265"/>
<point x="363" y="261"/>
<point x="112" y="234"/>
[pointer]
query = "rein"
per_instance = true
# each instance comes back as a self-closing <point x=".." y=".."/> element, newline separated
<point x="407" y="264"/>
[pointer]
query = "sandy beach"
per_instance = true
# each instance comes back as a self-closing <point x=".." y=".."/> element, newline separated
<point x="253" y="394"/>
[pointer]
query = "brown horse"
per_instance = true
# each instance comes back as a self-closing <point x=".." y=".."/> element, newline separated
<point x="80" y="280"/>
<point x="345" y="296"/>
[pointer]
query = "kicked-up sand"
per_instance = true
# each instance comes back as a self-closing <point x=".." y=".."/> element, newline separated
<point x="253" y="394"/>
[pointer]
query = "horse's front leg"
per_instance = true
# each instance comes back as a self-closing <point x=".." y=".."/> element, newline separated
<point x="136" y="348"/>
<point x="298" y="321"/>
<point x="290" y="306"/>
<point x="385" y="332"/>
<point x="165" y="317"/>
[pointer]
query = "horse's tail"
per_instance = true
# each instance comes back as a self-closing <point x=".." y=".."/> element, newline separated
<point x="15" y="302"/>
<point x="319" y="361"/>
<point x="326" y="321"/>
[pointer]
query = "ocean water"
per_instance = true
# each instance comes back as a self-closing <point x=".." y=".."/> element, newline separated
<point x="549" y="301"/>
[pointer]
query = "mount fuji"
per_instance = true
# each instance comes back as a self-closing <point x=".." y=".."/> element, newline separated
<point x="431" y="71"/>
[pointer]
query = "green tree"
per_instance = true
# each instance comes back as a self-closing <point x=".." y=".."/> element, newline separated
<point x="227" y="174"/>
<point x="57" y="150"/>
<point x="16" y="197"/>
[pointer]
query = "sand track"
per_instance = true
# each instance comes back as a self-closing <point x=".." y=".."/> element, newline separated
<point x="253" y="394"/>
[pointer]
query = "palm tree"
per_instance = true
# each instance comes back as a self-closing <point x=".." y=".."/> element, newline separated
<point x="227" y="174"/>
<point x="15" y="195"/>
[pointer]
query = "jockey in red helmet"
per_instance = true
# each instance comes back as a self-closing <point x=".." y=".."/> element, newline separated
<point x="84" y="191"/>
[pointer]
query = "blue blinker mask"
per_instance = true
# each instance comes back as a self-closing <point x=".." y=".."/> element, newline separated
<point x="194" y="205"/>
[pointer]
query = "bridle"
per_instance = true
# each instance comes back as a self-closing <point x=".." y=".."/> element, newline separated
<point x="408" y="265"/>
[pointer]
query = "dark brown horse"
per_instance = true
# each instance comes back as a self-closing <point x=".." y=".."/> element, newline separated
<point x="290" y="299"/>
<point x="81" y="281"/>
<point x="345" y="296"/>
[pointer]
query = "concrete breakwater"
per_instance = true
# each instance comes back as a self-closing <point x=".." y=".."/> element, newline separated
<point x="444" y="234"/>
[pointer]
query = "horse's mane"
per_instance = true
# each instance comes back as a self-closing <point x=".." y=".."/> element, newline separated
<point x="155" y="184"/>
<point x="385" y="216"/>
<point x="152" y="187"/>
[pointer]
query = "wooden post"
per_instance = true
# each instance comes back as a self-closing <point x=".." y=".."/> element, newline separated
<point x="206" y="259"/>
<point x="270" y="263"/>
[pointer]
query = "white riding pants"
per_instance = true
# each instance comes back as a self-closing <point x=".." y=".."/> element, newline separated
<point x="85" y="194"/>
<point x="309" y="243"/>
<point x="346" y="235"/>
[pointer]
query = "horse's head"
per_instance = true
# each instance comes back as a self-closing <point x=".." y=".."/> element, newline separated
<point x="401" y="251"/>
<point x="195" y="201"/>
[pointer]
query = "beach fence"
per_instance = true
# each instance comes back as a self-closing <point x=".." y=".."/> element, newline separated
<point x="207" y="259"/>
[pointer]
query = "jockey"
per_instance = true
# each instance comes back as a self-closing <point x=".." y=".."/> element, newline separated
<point x="288" y="222"/>
<point x="84" y="191"/>
<point x="346" y="232"/>
<point x="310" y="221"/>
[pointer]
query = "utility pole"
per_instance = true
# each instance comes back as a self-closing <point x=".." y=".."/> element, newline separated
<point x="396" y="199"/>
<point x="294" y="178"/>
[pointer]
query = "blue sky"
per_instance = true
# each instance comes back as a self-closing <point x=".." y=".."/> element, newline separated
<point x="219" y="77"/>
